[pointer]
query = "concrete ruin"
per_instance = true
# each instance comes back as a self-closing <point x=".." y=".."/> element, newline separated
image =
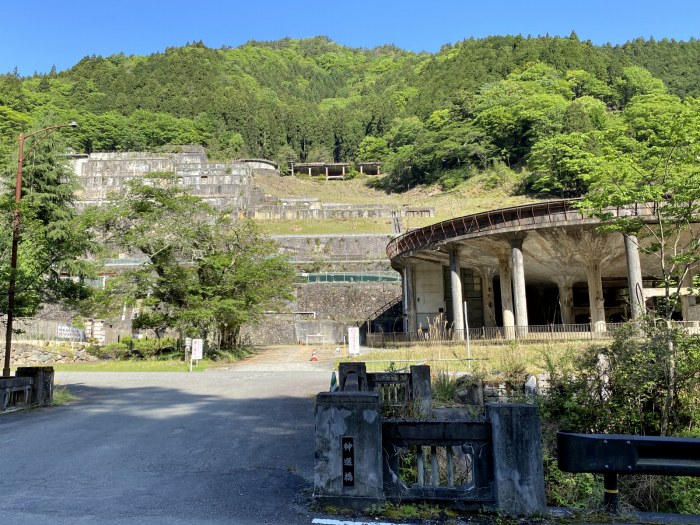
<point x="223" y="185"/>
<point x="543" y="264"/>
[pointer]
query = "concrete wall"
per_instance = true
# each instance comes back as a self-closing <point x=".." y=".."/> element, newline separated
<point x="430" y="295"/>
<point x="329" y="308"/>
<point x="221" y="185"/>
<point x="334" y="247"/>
<point x="334" y="211"/>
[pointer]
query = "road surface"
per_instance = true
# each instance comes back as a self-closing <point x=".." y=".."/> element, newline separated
<point x="232" y="445"/>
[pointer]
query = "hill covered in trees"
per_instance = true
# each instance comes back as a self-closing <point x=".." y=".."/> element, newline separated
<point x="550" y="107"/>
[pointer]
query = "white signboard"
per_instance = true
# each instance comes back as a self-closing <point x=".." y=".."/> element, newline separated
<point x="197" y="349"/>
<point x="354" y="340"/>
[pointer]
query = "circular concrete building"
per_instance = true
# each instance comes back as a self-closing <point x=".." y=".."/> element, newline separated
<point x="520" y="270"/>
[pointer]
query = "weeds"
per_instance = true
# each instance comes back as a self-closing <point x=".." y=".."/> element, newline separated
<point x="62" y="396"/>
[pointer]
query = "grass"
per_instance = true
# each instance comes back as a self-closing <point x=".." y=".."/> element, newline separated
<point x="62" y="396"/>
<point x="490" y="362"/>
<point x="133" y="366"/>
<point x="472" y="196"/>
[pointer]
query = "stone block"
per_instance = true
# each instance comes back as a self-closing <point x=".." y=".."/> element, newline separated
<point x="42" y="387"/>
<point x="342" y="417"/>
<point x="517" y="458"/>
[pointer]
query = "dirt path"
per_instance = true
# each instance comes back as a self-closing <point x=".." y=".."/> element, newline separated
<point x="288" y="358"/>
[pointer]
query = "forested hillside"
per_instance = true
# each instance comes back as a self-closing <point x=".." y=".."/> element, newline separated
<point x="547" y="107"/>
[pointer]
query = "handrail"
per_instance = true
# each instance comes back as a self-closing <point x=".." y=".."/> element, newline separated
<point x="542" y="214"/>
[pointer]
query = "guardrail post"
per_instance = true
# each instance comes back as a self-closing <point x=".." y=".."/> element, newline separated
<point x="610" y="492"/>
<point x="517" y="458"/>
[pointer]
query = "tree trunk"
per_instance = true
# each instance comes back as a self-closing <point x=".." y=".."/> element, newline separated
<point x="671" y="381"/>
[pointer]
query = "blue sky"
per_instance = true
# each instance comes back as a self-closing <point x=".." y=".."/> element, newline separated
<point x="38" y="34"/>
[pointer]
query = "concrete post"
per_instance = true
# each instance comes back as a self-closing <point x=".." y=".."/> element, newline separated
<point x="518" y="268"/>
<point x="409" y="298"/>
<point x="506" y="295"/>
<point x="566" y="298"/>
<point x="517" y="458"/>
<point x="422" y="392"/>
<point x="457" y="297"/>
<point x="487" y="296"/>
<point x="356" y="369"/>
<point x="596" y="299"/>
<point x="42" y="383"/>
<point x="634" y="276"/>
<point x="348" y="468"/>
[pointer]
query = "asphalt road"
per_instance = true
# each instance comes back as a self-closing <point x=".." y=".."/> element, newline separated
<point x="228" y="446"/>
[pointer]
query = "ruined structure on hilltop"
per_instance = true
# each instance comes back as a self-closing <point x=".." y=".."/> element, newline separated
<point x="223" y="185"/>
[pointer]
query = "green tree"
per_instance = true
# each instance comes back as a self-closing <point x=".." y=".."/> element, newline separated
<point x="564" y="165"/>
<point x="202" y="273"/>
<point x="52" y="248"/>
<point x="657" y="171"/>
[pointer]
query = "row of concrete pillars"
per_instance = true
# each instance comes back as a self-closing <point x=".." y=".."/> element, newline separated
<point x="511" y="270"/>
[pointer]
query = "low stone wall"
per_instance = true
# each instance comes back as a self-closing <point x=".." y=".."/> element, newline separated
<point x="314" y="210"/>
<point x="477" y="393"/>
<point x="40" y="353"/>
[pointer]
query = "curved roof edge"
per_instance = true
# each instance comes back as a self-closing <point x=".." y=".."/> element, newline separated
<point x="546" y="214"/>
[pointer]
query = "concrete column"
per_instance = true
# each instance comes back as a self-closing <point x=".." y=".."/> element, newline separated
<point x="487" y="296"/>
<point x="409" y="298"/>
<point x="351" y="420"/>
<point x="457" y="297"/>
<point x="518" y="269"/>
<point x="506" y="295"/>
<point x="565" y="284"/>
<point x="517" y="458"/>
<point x="421" y="389"/>
<point x="309" y="172"/>
<point x="634" y="276"/>
<point x="596" y="299"/>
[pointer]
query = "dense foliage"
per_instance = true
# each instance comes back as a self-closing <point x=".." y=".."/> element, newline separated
<point x="50" y="268"/>
<point x="203" y="275"/>
<point x="544" y="102"/>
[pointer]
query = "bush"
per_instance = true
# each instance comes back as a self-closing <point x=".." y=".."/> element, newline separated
<point x="622" y="389"/>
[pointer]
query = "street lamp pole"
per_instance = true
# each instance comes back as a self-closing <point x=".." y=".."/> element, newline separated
<point x="15" y="239"/>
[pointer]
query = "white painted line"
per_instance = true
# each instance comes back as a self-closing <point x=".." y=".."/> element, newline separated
<point x="324" y="521"/>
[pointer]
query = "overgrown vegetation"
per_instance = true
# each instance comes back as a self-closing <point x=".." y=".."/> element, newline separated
<point x="623" y="388"/>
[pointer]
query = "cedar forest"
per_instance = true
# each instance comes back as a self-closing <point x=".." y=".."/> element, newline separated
<point x="550" y="109"/>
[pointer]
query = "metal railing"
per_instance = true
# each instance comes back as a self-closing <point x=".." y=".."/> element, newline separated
<point x="529" y="216"/>
<point x="29" y="329"/>
<point x="498" y="335"/>
<point x="614" y="454"/>
<point x="349" y="277"/>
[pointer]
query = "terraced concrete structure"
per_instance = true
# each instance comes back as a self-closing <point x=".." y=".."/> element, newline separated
<point x="538" y="264"/>
<point x="219" y="184"/>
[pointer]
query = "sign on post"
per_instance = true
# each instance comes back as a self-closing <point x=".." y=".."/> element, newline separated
<point x="197" y="351"/>
<point x="354" y="340"/>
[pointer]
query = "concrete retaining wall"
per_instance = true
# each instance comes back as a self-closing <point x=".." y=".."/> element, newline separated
<point x="329" y="309"/>
<point x="334" y="247"/>
<point x="221" y="185"/>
